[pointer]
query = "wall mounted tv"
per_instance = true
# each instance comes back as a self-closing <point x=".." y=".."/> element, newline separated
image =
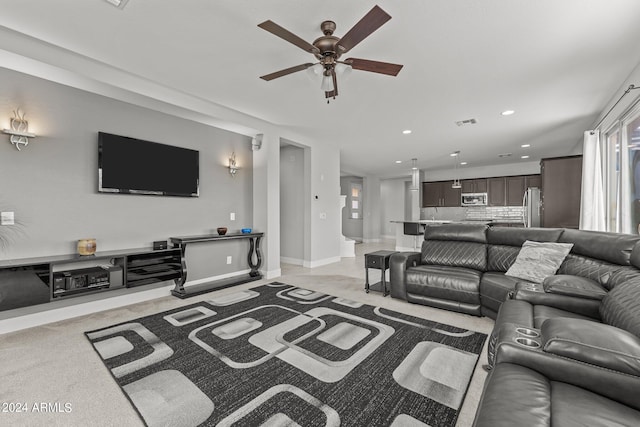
<point x="133" y="166"/>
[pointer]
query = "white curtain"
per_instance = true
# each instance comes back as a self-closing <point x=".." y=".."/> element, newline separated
<point x="592" y="205"/>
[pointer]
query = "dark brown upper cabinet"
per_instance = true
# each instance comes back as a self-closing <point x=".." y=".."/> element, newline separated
<point x="478" y="185"/>
<point x="440" y="194"/>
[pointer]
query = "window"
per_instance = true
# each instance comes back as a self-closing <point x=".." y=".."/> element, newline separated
<point x="611" y="173"/>
<point x="621" y="157"/>
<point x="356" y="199"/>
<point x="631" y="132"/>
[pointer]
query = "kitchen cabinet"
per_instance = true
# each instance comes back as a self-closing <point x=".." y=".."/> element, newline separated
<point x="515" y="188"/>
<point x="496" y="189"/>
<point x="561" y="191"/>
<point x="533" y="181"/>
<point x="440" y="194"/>
<point x="450" y="196"/>
<point x="501" y="190"/>
<point x="431" y="194"/>
<point x="474" y="185"/>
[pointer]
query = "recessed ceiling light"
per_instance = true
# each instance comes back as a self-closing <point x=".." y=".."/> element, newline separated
<point x="120" y="4"/>
<point x="398" y="161"/>
<point x="406" y="131"/>
<point x="507" y="112"/>
<point x="463" y="163"/>
<point x="525" y="145"/>
<point x="454" y="154"/>
<point x="524" y="157"/>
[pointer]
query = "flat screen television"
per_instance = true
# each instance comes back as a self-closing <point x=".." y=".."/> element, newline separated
<point x="134" y="166"/>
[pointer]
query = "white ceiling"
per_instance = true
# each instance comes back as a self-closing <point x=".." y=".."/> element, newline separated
<point x="557" y="63"/>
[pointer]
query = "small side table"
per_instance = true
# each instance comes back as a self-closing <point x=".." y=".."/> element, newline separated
<point x="380" y="261"/>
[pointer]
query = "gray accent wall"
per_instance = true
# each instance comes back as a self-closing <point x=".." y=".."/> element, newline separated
<point x="51" y="185"/>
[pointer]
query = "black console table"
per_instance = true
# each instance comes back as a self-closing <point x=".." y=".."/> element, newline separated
<point x="181" y="291"/>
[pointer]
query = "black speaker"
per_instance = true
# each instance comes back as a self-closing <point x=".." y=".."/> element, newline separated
<point x="160" y="244"/>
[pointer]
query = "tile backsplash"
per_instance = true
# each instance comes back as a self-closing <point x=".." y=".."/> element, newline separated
<point x="473" y="213"/>
<point x="494" y="212"/>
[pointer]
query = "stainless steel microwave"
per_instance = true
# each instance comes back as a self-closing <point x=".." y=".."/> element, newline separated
<point x="474" y="199"/>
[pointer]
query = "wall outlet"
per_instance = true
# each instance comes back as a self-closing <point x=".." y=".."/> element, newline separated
<point x="7" y="218"/>
<point x="232" y="216"/>
<point x="229" y="258"/>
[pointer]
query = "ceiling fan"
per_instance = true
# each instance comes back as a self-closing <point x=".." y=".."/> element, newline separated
<point x="328" y="49"/>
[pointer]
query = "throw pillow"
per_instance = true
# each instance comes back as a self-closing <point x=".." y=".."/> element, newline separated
<point x="538" y="260"/>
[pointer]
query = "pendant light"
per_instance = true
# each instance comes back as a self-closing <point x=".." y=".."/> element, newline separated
<point x="415" y="175"/>
<point x="456" y="180"/>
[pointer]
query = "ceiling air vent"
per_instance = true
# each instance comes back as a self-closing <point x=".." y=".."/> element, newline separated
<point x="466" y="122"/>
<point x="504" y="155"/>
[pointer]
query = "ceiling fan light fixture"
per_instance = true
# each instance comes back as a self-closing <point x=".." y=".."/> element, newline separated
<point x="343" y="69"/>
<point x="327" y="82"/>
<point x="315" y="70"/>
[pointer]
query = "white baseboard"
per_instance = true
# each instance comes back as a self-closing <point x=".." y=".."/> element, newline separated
<point x="293" y="261"/>
<point x="321" y="262"/>
<point x="273" y="274"/>
<point x="219" y="277"/>
<point x="371" y="240"/>
<point x="107" y="303"/>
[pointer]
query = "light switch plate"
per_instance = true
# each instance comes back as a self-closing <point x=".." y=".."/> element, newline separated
<point x="232" y="216"/>
<point x="7" y="218"/>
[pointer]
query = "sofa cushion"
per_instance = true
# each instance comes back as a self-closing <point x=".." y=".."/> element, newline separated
<point x="541" y="313"/>
<point x="495" y="288"/>
<point x="455" y="253"/>
<point x="538" y="260"/>
<point x="519" y="396"/>
<point x="450" y="283"/>
<point x="621" y="307"/>
<point x="575" y="286"/>
<point x="510" y="236"/>
<point x="476" y="233"/>
<point x="501" y="257"/>
<point x="514" y="396"/>
<point x="593" y="343"/>
<point x="615" y="248"/>
<point x="594" y="269"/>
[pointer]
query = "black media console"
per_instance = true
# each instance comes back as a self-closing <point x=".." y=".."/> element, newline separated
<point x="31" y="281"/>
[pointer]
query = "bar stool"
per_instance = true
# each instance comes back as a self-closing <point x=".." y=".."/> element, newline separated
<point x="413" y="229"/>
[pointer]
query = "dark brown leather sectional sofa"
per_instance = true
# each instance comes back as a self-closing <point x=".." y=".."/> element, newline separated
<point x="562" y="352"/>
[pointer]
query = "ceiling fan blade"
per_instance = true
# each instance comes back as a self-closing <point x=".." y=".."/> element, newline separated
<point x="286" y="71"/>
<point x="374" y="66"/>
<point x="334" y="92"/>
<point x="287" y="35"/>
<point x="367" y="25"/>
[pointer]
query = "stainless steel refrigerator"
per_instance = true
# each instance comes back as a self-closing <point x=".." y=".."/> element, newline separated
<point x="531" y="207"/>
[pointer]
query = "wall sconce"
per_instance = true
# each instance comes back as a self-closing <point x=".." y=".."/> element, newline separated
<point x="19" y="130"/>
<point x="233" y="168"/>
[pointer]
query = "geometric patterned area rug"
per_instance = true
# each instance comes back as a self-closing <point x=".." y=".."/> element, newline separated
<point x="280" y="355"/>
